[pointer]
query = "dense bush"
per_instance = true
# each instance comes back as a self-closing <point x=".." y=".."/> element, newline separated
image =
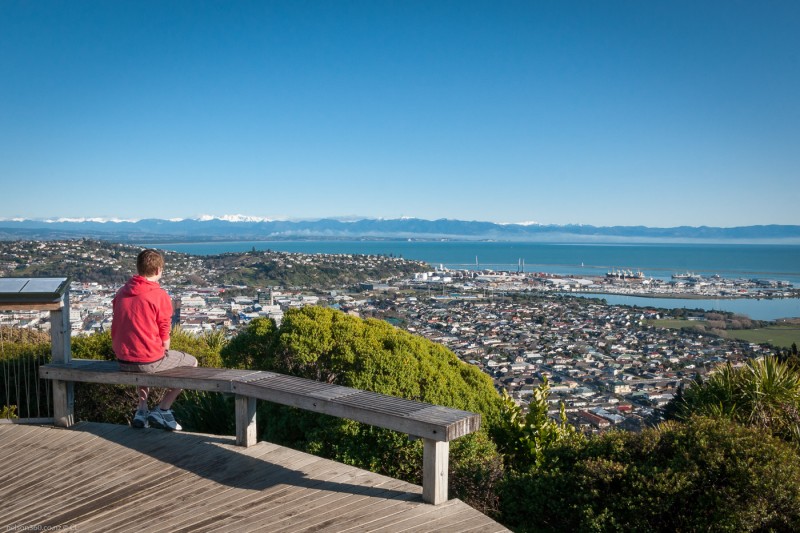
<point x="701" y="475"/>
<point x="331" y="346"/>
<point x="524" y="438"/>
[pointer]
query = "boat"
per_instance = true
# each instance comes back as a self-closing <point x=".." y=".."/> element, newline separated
<point x="625" y="274"/>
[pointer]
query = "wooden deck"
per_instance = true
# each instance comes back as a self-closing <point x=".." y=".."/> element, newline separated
<point x="105" y="477"/>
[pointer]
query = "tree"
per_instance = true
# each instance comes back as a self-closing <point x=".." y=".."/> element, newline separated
<point x="251" y="347"/>
<point x="327" y="345"/>
<point x="331" y="346"/>
<point x="790" y="356"/>
<point x="764" y="393"/>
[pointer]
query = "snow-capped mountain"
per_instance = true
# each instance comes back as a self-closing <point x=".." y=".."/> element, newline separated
<point x="242" y="227"/>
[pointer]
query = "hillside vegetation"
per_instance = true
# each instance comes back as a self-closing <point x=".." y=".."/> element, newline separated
<point x="110" y="263"/>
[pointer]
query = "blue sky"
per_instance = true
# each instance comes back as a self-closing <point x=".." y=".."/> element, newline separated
<point x="656" y="113"/>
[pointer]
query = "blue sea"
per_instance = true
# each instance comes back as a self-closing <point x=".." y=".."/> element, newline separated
<point x="661" y="261"/>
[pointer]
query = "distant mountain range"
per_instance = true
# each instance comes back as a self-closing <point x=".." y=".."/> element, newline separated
<point x="251" y="228"/>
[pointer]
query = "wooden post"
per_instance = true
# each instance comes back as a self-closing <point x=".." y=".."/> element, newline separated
<point x="435" y="463"/>
<point x="246" y="421"/>
<point x="63" y="391"/>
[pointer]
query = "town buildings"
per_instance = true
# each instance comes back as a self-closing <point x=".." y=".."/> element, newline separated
<point x="608" y="365"/>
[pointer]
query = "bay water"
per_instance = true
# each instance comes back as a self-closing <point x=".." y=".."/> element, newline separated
<point x="659" y="261"/>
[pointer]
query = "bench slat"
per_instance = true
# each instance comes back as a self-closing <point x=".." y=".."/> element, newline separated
<point x="295" y="385"/>
<point x="408" y="416"/>
<point x="108" y="372"/>
<point x="447" y="418"/>
<point x="368" y="413"/>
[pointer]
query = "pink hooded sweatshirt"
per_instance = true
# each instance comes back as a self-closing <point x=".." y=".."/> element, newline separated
<point x="142" y="321"/>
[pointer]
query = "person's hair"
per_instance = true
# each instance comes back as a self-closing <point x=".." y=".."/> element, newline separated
<point x="148" y="262"/>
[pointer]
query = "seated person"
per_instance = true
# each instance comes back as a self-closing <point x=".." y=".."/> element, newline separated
<point x="140" y="336"/>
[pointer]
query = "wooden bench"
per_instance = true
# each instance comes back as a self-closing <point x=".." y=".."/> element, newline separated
<point x="435" y="425"/>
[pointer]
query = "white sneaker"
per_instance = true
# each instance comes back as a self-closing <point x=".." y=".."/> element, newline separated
<point x="161" y="419"/>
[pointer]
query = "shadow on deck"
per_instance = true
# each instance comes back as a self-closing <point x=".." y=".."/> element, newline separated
<point x="103" y="477"/>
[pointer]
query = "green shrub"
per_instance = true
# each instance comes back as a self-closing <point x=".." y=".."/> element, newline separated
<point x="206" y="412"/>
<point x="764" y="393"/>
<point x="525" y="438"/>
<point x="704" y="474"/>
<point x="95" y="346"/>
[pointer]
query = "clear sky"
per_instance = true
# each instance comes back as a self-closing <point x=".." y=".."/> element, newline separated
<point x="656" y="113"/>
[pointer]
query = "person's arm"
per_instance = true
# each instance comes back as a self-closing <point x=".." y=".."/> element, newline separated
<point x="165" y="320"/>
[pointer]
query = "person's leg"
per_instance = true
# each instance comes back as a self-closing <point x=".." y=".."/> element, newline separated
<point x="140" y="417"/>
<point x="172" y="394"/>
<point x="162" y="416"/>
<point x="142" y="393"/>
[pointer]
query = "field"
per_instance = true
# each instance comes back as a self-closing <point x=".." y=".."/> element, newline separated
<point x="777" y="335"/>
<point x="673" y="323"/>
<point x="782" y="336"/>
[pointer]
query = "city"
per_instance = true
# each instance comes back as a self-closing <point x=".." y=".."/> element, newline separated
<point x="608" y="364"/>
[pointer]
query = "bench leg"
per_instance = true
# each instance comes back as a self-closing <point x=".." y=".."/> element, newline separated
<point x="63" y="403"/>
<point x="435" y="463"/>
<point x="246" y="421"/>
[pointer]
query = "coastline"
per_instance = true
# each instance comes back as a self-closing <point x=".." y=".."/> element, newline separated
<point x="673" y="296"/>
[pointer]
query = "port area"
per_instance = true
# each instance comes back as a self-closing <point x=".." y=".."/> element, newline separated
<point x="626" y="282"/>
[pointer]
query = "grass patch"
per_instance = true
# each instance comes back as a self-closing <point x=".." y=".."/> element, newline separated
<point x="675" y="323"/>
<point x="782" y="336"/>
<point x="778" y="335"/>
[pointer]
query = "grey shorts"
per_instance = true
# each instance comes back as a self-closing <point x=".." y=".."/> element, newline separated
<point x="171" y="359"/>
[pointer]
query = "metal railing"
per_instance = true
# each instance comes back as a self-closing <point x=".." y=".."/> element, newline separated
<point x="24" y="397"/>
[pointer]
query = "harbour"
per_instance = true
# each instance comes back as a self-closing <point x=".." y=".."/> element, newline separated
<point x="659" y="261"/>
<point x="739" y="267"/>
<point x="770" y="309"/>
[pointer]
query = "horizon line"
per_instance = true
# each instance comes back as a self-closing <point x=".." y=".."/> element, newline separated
<point x="238" y="218"/>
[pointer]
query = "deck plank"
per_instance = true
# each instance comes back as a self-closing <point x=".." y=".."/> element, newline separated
<point x="388" y="520"/>
<point x="103" y="477"/>
<point x="178" y="492"/>
<point x="188" y="504"/>
<point x="445" y="514"/>
<point x="285" y="501"/>
<point x="30" y="460"/>
<point x="321" y="501"/>
<point x="214" y="502"/>
<point x="334" y="511"/>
